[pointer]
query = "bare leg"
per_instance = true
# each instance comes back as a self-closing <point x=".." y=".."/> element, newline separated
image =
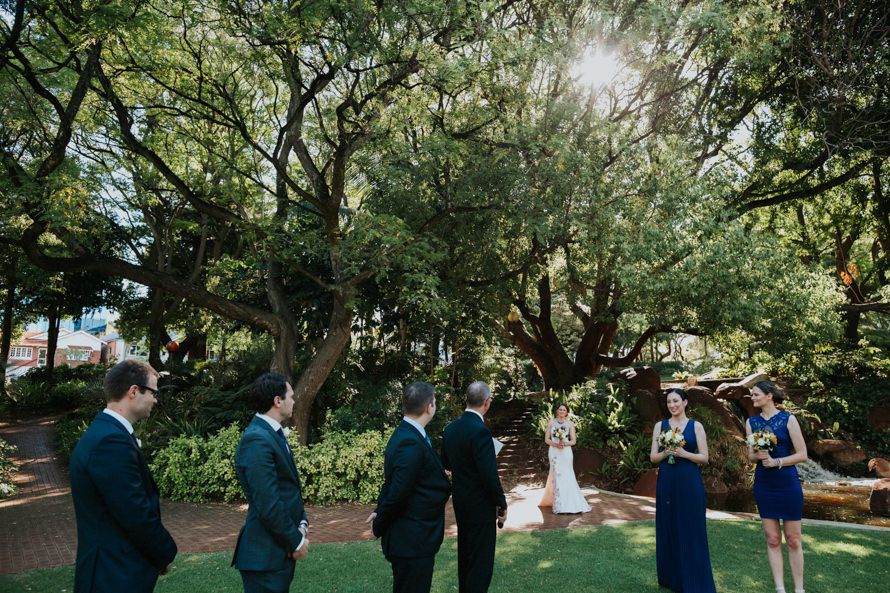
<point x="795" y="552"/>
<point x="773" y="534"/>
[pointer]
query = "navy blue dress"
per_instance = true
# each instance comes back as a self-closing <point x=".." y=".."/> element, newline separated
<point x="777" y="490"/>
<point x="681" y="536"/>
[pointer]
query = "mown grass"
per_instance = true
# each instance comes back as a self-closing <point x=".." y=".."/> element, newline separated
<point x="605" y="559"/>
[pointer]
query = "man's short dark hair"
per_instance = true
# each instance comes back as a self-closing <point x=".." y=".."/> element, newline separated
<point x="477" y="394"/>
<point x="124" y="375"/>
<point x="417" y="397"/>
<point x="264" y="391"/>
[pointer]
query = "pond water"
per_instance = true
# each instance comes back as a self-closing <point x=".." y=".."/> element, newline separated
<point x="826" y="495"/>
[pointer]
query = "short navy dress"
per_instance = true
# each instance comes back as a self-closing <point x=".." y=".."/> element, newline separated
<point x="777" y="490"/>
<point x="681" y="535"/>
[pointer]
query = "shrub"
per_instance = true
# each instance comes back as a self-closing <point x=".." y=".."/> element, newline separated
<point x="727" y="454"/>
<point x="7" y="468"/>
<point x="71" y="387"/>
<point x="846" y="385"/>
<point x="199" y="469"/>
<point x="343" y="467"/>
<point x="600" y="411"/>
<point x="70" y="427"/>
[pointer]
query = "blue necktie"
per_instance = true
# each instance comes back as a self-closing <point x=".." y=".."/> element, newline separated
<point x="283" y="439"/>
<point x="428" y="442"/>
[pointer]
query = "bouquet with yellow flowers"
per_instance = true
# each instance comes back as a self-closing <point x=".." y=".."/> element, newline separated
<point x="762" y="440"/>
<point x="671" y="439"/>
<point x="559" y="434"/>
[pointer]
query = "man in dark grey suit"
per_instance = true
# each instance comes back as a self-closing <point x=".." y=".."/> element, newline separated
<point x="121" y="543"/>
<point x="479" y="502"/>
<point x="410" y="513"/>
<point x="274" y="534"/>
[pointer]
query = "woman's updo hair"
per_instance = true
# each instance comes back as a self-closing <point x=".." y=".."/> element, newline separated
<point x="679" y="392"/>
<point x="770" y="387"/>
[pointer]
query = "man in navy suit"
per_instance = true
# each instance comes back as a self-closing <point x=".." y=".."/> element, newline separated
<point x="410" y="513"/>
<point x="479" y="503"/>
<point x="274" y="535"/>
<point x="121" y="543"/>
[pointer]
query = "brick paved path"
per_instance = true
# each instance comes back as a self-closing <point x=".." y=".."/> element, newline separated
<point x="37" y="526"/>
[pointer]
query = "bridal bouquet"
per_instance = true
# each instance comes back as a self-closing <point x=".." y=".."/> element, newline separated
<point x="762" y="440"/>
<point x="671" y="439"/>
<point x="559" y="434"/>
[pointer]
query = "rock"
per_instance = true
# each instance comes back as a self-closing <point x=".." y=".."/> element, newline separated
<point x="588" y="463"/>
<point x="879" y="467"/>
<point x="649" y="407"/>
<point x="836" y="452"/>
<point x="740" y="388"/>
<point x="879" y="500"/>
<point x="645" y="486"/>
<point x="716" y="491"/>
<point x="712" y="374"/>
<point x="750" y="380"/>
<point x="704" y="397"/>
<point x="879" y="416"/>
<point x="731" y="391"/>
<point x="748" y="404"/>
<point x="645" y="378"/>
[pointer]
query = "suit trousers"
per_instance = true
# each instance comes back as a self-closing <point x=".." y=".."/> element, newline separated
<point x="263" y="581"/>
<point x="412" y="575"/>
<point x="475" y="555"/>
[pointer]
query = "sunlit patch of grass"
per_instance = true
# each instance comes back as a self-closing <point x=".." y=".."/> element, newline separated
<point x="606" y="559"/>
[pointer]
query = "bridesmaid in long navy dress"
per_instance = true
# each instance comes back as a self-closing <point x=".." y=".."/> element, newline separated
<point x="681" y="537"/>
<point x="776" y="484"/>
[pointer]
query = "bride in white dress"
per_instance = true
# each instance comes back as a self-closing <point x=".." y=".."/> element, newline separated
<point x="562" y="491"/>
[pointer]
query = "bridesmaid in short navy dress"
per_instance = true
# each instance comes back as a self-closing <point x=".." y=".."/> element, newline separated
<point x="681" y="536"/>
<point x="776" y="483"/>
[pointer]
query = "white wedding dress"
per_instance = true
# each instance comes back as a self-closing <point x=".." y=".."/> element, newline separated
<point x="562" y="491"/>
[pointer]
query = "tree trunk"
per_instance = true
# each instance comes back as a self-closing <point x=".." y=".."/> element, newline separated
<point x="6" y="329"/>
<point x="156" y="330"/>
<point x="319" y="368"/>
<point x="851" y="326"/>
<point x="52" y="341"/>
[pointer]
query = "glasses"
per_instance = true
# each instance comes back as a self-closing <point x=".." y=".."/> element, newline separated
<point x="154" y="391"/>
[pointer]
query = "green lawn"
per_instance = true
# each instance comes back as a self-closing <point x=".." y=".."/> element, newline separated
<point x="602" y="559"/>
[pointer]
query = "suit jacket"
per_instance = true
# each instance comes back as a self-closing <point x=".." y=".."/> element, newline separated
<point x="411" y="506"/>
<point x="121" y="543"/>
<point x="271" y="484"/>
<point x="468" y="452"/>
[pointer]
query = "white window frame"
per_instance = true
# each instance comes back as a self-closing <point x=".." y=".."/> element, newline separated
<point x="21" y="352"/>
<point x="41" y="357"/>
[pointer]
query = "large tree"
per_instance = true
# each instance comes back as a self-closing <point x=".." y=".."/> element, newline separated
<point x="246" y="117"/>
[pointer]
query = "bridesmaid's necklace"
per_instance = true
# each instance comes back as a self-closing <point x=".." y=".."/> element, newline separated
<point x="558" y="421"/>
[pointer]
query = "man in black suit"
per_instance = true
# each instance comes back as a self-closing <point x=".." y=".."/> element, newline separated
<point x="274" y="533"/>
<point x="121" y="543"/>
<point x="479" y="503"/>
<point x="410" y="513"/>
